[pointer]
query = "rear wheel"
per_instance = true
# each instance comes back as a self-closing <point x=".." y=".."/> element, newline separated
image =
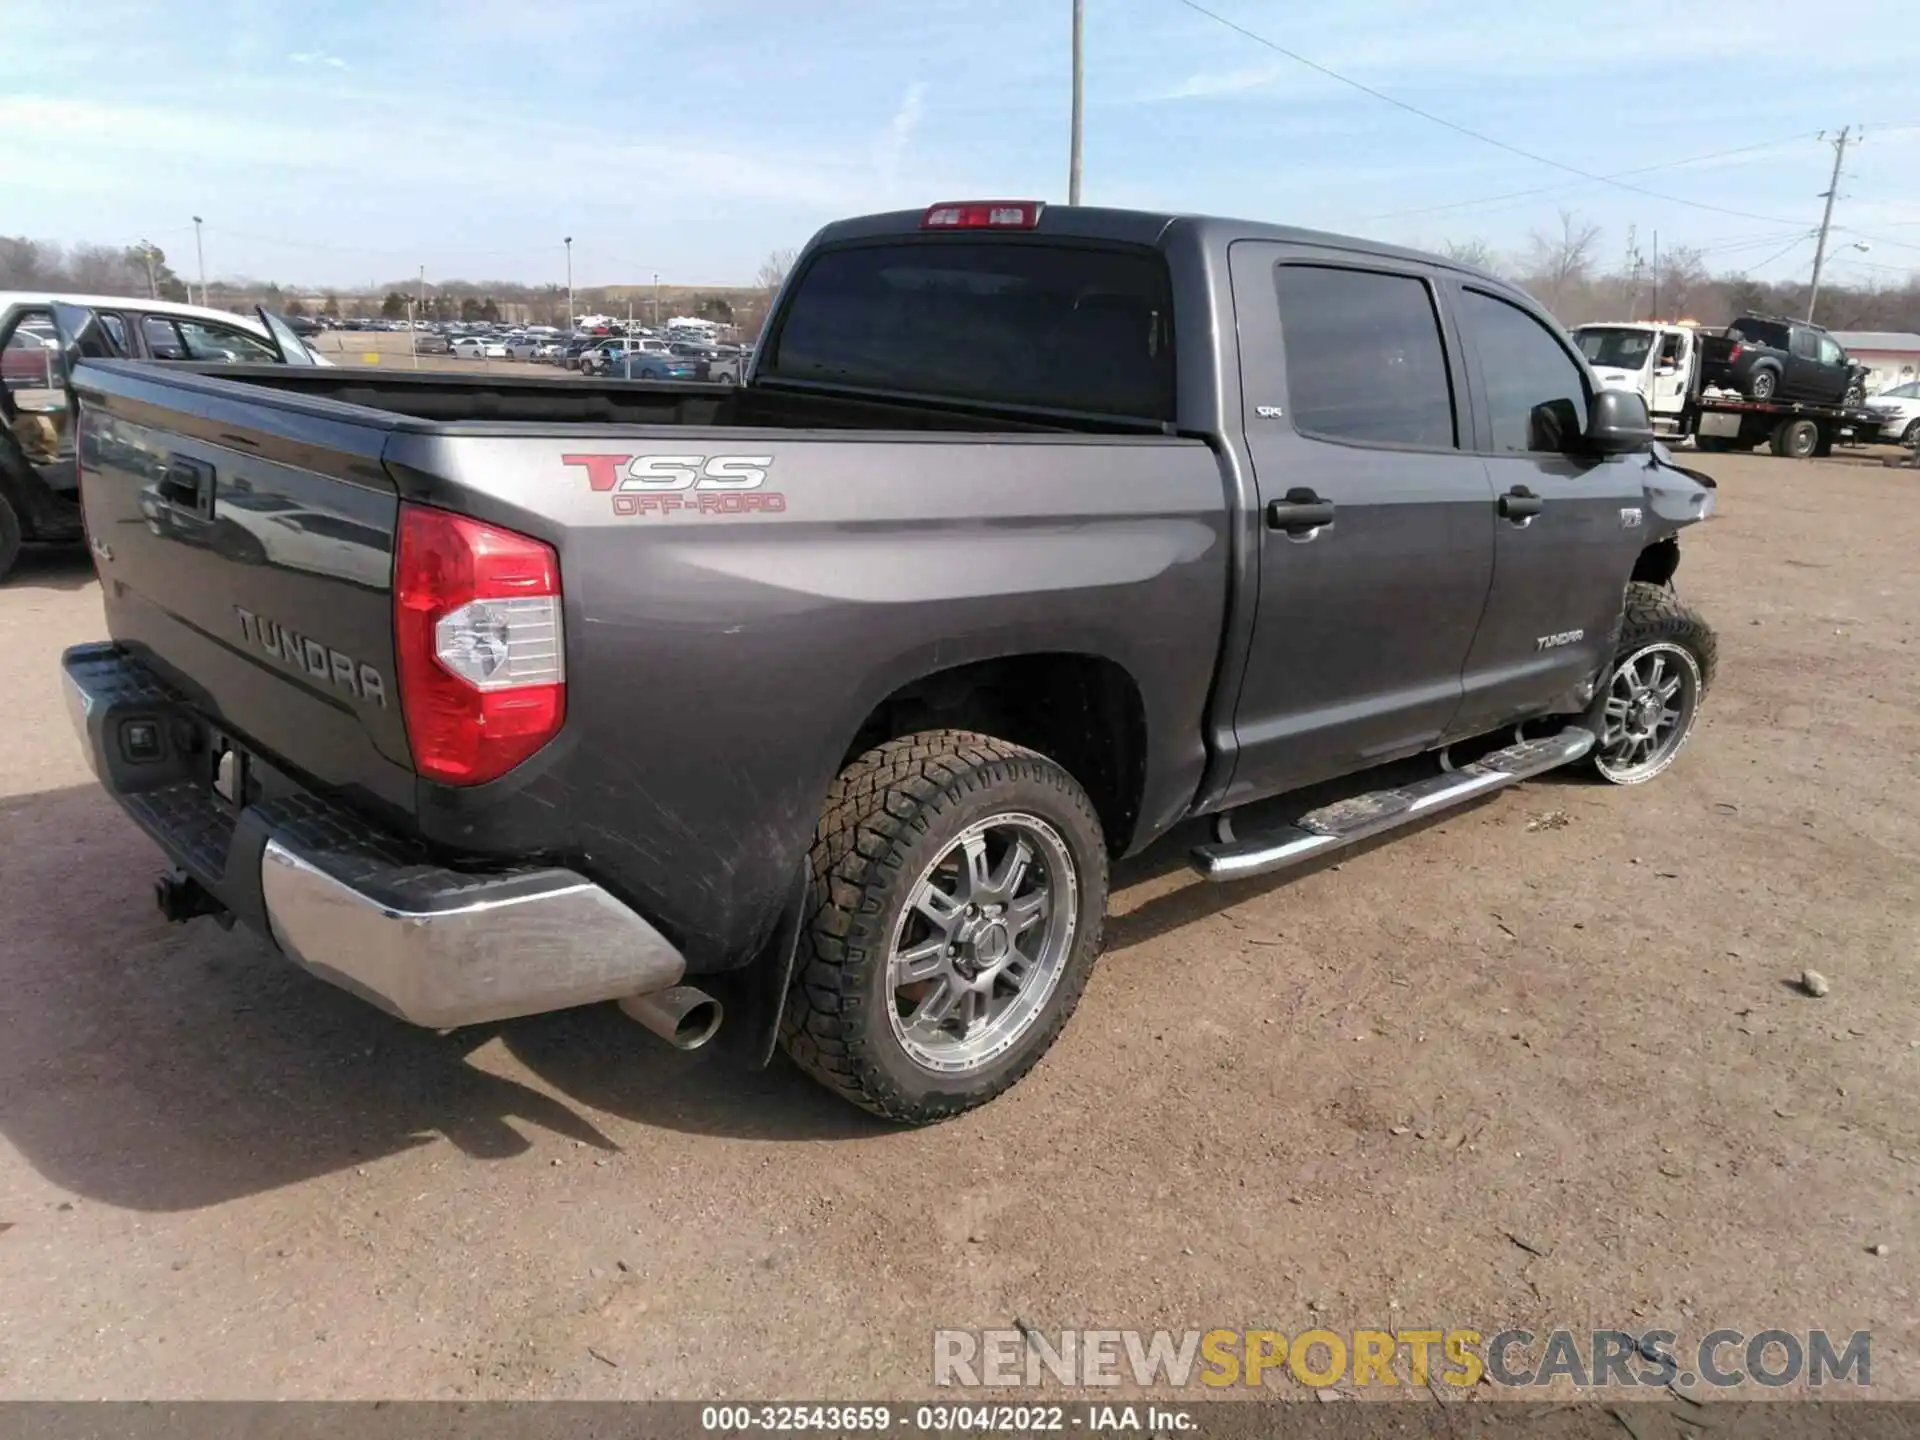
<point x="960" y="884"/>
<point x="1911" y="435"/>
<point x="1855" y="397"/>
<point x="1662" y="667"/>
<point x="1762" y="383"/>
<point x="1796" y="439"/>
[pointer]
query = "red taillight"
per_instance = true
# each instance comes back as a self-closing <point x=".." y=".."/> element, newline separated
<point x="1734" y="353"/>
<point x="982" y="215"/>
<point x="477" y="631"/>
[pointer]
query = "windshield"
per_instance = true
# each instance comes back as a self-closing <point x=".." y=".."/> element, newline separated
<point x="1017" y="322"/>
<point x="1615" y="349"/>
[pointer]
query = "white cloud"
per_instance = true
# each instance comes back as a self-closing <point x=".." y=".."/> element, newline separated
<point x="1212" y="85"/>
<point x="318" y="57"/>
<point x="892" y="149"/>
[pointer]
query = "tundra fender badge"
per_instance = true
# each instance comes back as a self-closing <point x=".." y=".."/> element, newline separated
<point x="1554" y="642"/>
<point x="1629" y="517"/>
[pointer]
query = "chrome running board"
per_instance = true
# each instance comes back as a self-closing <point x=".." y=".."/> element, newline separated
<point x="1361" y="816"/>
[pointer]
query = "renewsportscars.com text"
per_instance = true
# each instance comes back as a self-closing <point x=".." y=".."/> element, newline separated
<point x="1318" y="1358"/>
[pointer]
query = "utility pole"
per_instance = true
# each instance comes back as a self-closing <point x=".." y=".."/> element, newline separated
<point x="569" y="285"/>
<point x="1079" y="74"/>
<point x="656" y="299"/>
<point x="200" y="251"/>
<point x="146" y="254"/>
<point x="1826" y="219"/>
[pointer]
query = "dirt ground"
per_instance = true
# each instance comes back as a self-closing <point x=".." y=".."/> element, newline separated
<point x="1541" y="1064"/>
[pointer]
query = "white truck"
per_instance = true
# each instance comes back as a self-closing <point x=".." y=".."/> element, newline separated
<point x="1665" y="364"/>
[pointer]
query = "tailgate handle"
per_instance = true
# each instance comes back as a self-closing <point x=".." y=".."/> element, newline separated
<point x="188" y="484"/>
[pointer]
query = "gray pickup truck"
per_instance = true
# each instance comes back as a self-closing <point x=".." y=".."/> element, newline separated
<point x="824" y="701"/>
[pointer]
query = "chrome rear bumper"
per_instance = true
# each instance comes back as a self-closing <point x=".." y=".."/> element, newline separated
<point x="565" y="942"/>
<point x="358" y="907"/>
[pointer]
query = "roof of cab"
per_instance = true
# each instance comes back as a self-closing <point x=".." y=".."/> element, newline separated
<point x="1149" y="227"/>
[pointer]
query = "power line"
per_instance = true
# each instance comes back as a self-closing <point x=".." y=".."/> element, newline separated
<point x="1567" y="185"/>
<point x="1779" y="255"/>
<point x="1467" y="131"/>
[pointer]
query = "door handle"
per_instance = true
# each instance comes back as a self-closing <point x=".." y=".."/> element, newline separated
<point x="189" y="485"/>
<point x="1520" y="504"/>
<point x="1301" y="514"/>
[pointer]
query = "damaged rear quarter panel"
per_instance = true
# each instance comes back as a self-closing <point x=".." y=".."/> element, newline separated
<point x="720" y="660"/>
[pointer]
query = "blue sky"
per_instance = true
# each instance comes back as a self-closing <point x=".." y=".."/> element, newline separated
<point x="346" y="142"/>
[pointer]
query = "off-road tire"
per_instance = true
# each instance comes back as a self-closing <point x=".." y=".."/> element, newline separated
<point x="1654" y="614"/>
<point x="886" y="817"/>
<point x="10" y="539"/>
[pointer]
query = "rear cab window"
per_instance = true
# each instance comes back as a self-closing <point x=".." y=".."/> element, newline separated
<point x="1032" y="324"/>
<point x="1759" y="332"/>
<point x="1365" y="358"/>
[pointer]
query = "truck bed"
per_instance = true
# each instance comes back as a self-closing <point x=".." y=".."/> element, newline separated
<point x="746" y="574"/>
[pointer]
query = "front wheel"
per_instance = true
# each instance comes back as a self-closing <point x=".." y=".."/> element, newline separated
<point x="1911" y="435"/>
<point x="960" y="886"/>
<point x="1662" y="667"/>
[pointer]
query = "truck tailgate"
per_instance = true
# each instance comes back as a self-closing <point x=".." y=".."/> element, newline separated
<point x="245" y="552"/>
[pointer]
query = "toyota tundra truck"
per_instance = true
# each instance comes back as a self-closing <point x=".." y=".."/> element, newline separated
<point x="824" y="702"/>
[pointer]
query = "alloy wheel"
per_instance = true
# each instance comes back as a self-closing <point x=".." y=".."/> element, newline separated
<point x="981" y="943"/>
<point x="1649" y="713"/>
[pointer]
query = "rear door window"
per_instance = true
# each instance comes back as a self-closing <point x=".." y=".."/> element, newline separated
<point x="162" y="340"/>
<point x="1365" y="358"/>
<point x="1022" y="323"/>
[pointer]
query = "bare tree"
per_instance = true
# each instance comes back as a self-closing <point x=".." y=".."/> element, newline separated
<point x="1561" y="264"/>
<point x="772" y="273"/>
<point x="1475" y="252"/>
<point x="1683" y="280"/>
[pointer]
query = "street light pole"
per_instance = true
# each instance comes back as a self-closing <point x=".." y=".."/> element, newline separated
<point x="1079" y="72"/>
<point x="146" y="254"/>
<point x="200" y="251"/>
<point x="569" y="285"/>
<point x="656" y="299"/>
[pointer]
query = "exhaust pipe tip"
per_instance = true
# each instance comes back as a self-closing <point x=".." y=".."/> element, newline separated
<point x="685" y="1017"/>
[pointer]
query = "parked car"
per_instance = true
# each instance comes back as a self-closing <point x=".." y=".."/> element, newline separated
<point x="598" y="358"/>
<point x="39" y="479"/>
<point x="653" y="365"/>
<point x="1764" y="358"/>
<point x="1251" y="568"/>
<point x="1899" y="412"/>
<point x="432" y="344"/>
<point x="574" y="349"/>
<point x="522" y="347"/>
<point x="549" y="351"/>
<point x="475" y="347"/>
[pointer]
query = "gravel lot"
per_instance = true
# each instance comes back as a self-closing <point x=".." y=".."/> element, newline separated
<point x="1563" y="1018"/>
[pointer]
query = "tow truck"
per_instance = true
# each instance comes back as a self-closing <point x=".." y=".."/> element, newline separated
<point x="1662" y="363"/>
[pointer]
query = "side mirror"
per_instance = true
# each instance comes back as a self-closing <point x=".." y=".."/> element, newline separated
<point x="1617" y="423"/>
